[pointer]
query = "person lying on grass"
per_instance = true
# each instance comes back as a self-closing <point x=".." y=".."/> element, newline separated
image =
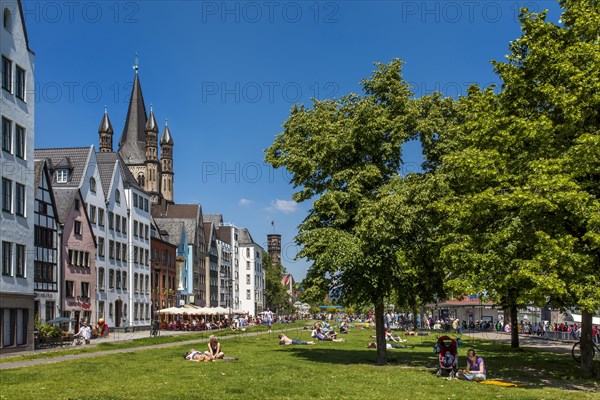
<point x="284" y="340"/>
<point x="373" y="345"/>
<point x="198" y="356"/>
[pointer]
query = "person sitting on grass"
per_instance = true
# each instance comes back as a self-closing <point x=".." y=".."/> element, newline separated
<point x="214" y="348"/>
<point x="197" y="356"/>
<point x="284" y="340"/>
<point x="475" y="371"/>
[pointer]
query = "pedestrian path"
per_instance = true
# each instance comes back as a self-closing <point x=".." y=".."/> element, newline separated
<point x="195" y="337"/>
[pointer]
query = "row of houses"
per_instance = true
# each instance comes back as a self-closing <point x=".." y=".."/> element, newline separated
<point x="90" y="234"/>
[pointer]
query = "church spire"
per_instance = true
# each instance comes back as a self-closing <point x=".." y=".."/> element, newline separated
<point x="105" y="133"/>
<point x="132" y="146"/>
<point x="166" y="162"/>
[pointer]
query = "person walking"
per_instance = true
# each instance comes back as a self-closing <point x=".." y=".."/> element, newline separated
<point x="85" y="332"/>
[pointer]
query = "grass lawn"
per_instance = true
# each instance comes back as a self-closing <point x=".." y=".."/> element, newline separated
<point x="264" y="369"/>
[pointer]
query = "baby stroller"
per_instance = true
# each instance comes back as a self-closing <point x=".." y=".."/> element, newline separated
<point x="447" y="348"/>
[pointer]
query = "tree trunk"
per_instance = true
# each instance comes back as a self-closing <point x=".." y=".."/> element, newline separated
<point x="414" y="312"/>
<point x="587" y="367"/>
<point x="514" y="327"/>
<point x="380" y="333"/>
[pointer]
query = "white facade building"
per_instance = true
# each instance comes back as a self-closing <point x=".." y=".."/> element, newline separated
<point x="17" y="188"/>
<point x="251" y="274"/>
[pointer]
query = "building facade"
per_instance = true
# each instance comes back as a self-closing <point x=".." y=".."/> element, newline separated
<point x="251" y="274"/>
<point x="47" y="238"/>
<point x="164" y="272"/>
<point x="17" y="187"/>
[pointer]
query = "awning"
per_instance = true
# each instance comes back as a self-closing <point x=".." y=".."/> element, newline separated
<point x="577" y="318"/>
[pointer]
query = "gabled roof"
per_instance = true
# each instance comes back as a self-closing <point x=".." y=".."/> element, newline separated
<point x="64" y="201"/>
<point x="244" y="237"/>
<point x="74" y="158"/>
<point x="106" y="167"/>
<point x="216" y="219"/>
<point x="24" y="26"/>
<point x="179" y="211"/>
<point x="210" y="233"/>
<point x="171" y="225"/>
<point x="38" y="169"/>
<point x="132" y="145"/>
<point x="174" y="229"/>
<point x="41" y="170"/>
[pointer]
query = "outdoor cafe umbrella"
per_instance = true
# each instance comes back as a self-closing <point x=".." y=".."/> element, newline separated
<point x="171" y="311"/>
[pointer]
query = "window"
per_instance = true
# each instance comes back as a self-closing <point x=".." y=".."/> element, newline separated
<point x="111" y="220"/>
<point x="6" y="74"/>
<point x="101" y="282"/>
<point x="42" y="208"/>
<point x="77" y="228"/>
<point x="92" y="214"/>
<point x="101" y="216"/>
<point x="124" y="252"/>
<point x="247" y="279"/>
<point x="7" y="20"/>
<point x="147" y="253"/>
<point x="135" y="282"/>
<point x="20" y="199"/>
<point x="118" y="251"/>
<point x="135" y="254"/>
<point x="100" y="309"/>
<point x="247" y="265"/>
<point x="146" y="232"/>
<point x="100" y="247"/>
<point x="6" y="135"/>
<point x="145" y="204"/>
<point x="135" y="200"/>
<point x="6" y="195"/>
<point x="248" y="295"/>
<point x="118" y="283"/>
<point x="62" y="175"/>
<point x="20" y="83"/>
<point x="20" y="265"/>
<point x="111" y="279"/>
<point x="111" y="249"/>
<point x="20" y="141"/>
<point x="85" y="290"/>
<point x="124" y="223"/>
<point x="69" y="289"/>
<point x="124" y="280"/>
<point x="110" y="310"/>
<point x="77" y="204"/>
<point x="6" y="258"/>
<point x="135" y="228"/>
<point x="117" y="197"/>
<point x="93" y="184"/>
<point x="118" y="223"/>
<point x="147" y="285"/>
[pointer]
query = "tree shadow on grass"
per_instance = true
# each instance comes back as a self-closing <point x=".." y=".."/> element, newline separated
<point x="527" y="367"/>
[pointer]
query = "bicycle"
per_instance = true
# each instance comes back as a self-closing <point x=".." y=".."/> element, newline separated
<point x="576" y="351"/>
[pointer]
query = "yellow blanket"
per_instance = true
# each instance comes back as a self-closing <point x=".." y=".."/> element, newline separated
<point x="500" y="383"/>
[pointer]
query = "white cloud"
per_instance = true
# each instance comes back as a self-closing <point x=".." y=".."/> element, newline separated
<point x="245" y="202"/>
<point x="285" y="206"/>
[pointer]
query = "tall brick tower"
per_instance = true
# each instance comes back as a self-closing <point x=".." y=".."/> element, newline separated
<point x="274" y="248"/>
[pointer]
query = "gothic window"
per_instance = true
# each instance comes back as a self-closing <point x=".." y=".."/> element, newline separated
<point x="7" y="20"/>
<point x="141" y="180"/>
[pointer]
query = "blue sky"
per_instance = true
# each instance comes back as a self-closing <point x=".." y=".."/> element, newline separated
<point x="226" y="74"/>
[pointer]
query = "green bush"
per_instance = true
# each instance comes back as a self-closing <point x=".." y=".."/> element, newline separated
<point x="47" y="330"/>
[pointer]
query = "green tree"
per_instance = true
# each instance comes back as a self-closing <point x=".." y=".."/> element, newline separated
<point x="522" y="168"/>
<point x="276" y="295"/>
<point x="342" y="151"/>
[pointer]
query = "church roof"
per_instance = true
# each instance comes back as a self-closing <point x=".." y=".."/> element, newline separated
<point x="132" y="146"/>
<point x="105" y="125"/>
<point x="151" y="123"/>
<point x="166" y="137"/>
<point x="74" y="158"/>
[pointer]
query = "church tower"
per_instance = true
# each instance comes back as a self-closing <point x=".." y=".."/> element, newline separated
<point x="105" y="133"/>
<point x="166" y="159"/>
<point x="152" y="163"/>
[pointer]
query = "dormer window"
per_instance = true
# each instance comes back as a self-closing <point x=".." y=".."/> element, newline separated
<point x="7" y="20"/>
<point x="117" y="197"/>
<point x="93" y="185"/>
<point x="62" y="176"/>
